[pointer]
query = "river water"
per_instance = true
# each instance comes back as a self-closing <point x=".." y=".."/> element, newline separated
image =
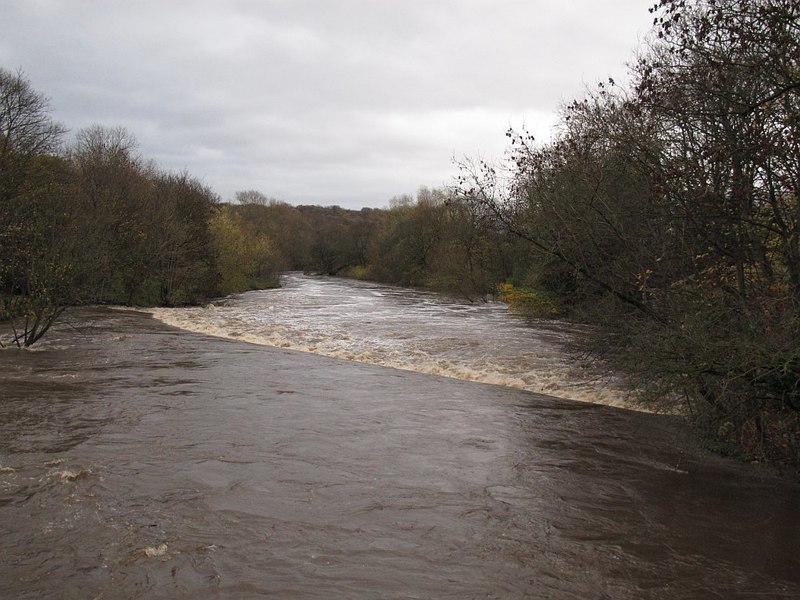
<point x="407" y="329"/>
<point x="138" y="460"/>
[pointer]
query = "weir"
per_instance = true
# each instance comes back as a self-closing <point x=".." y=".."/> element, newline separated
<point x="408" y="329"/>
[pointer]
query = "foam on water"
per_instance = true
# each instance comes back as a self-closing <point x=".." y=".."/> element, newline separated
<point x="405" y="329"/>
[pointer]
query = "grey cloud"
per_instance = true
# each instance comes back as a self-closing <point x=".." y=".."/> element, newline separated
<point x="347" y="102"/>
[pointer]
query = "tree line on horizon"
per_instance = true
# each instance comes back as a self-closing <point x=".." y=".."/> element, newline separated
<point x="664" y="213"/>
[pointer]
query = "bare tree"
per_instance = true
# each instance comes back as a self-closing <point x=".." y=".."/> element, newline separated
<point x="32" y="270"/>
<point x="254" y="197"/>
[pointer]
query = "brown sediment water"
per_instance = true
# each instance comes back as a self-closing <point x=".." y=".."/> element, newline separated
<point x="141" y="461"/>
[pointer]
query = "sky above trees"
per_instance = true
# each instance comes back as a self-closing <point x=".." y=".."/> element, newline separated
<point x="347" y="102"/>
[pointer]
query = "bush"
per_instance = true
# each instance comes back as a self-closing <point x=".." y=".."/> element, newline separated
<point x="527" y="301"/>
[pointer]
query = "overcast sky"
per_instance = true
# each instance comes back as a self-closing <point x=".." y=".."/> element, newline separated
<point x="347" y="102"/>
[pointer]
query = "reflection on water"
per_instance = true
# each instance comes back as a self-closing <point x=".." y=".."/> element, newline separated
<point x="138" y="461"/>
<point x="406" y="329"/>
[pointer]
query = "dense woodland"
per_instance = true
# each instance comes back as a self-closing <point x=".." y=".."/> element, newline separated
<point x="664" y="213"/>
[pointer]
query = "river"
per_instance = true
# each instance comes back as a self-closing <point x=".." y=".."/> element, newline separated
<point x="138" y="460"/>
<point x="408" y="329"/>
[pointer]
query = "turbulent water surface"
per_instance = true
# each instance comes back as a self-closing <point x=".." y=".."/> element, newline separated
<point x="406" y="329"/>
<point x="142" y="461"/>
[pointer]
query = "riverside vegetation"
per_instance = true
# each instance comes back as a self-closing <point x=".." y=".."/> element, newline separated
<point x="663" y="213"/>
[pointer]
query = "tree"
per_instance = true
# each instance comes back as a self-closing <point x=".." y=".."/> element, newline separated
<point x="468" y="260"/>
<point x="146" y="236"/>
<point x="180" y="242"/>
<point x="245" y="257"/>
<point x="407" y="241"/>
<point x="667" y="215"/>
<point x="253" y="197"/>
<point x="116" y="194"/>
<point x="33" y="263"/>
<point x="288" y="230"/>
<point x="723" y="79"/>
<point x="26" y="131"/>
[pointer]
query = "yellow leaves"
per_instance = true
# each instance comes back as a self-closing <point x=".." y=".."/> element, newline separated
<point x="504" y="290"/>
<point x="526" y="301"/>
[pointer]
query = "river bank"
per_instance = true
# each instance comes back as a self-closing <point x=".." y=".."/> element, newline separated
<point x="140" y="461"/>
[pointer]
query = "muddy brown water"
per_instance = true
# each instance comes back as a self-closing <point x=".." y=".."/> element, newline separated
<point x="141" y="461"/>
